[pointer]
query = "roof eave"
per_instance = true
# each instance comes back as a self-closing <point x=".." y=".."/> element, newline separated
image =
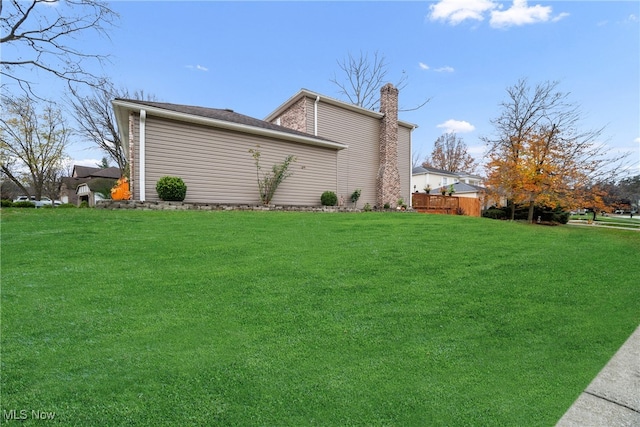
<point x="122" y="107"/>
<point x="304" y="93"/>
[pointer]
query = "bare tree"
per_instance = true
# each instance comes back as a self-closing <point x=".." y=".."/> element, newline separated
<point x="96" y="121"/>
<point x="363" y="78"/>
<point x="40" y="35"/>
<point x="31" y="145"/>
<point x="53" y="180"/>
<point x="415" y="159"/>
<point x="450" y="154"/>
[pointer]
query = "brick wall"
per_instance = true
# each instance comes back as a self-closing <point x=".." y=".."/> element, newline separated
<point x="388" y="185"/>
<point x="295" y="117"/>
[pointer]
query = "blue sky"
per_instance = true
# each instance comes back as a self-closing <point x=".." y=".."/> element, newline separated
<point x="253" y="56"/>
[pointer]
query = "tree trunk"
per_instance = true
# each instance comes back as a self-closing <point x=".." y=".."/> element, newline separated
<point x="530" y="216"/>
<point x="513" y="211"/>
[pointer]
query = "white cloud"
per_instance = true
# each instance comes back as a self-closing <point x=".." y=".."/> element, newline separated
<point x="197" y="67"/>
<point x="446" y="69"/>
<point x="457" y="11"/>
<point x="559" y="17"/>
<point x="457" y="126"/>
<point x="520" y="14"/>
<point x="637" y="140"/>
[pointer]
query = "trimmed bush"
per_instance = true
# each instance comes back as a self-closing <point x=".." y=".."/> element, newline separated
<point x="546" y="214"/>
<point x="171" y="189"/>
<point x="329" y="198"/>
<point x="25" y="204"/>
<point x="6" y="203"/>
<point x="494" y="214"/>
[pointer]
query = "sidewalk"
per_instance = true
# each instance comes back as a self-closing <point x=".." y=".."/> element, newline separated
<point x="613" y="397"/>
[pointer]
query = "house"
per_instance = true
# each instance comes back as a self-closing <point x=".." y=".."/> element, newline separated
<point x="465" y="185"/>
<point x="95" y="190"/>
<point x="338" y="147"/>
<point x="96" y="178"/>
<point x="422" y="177"/>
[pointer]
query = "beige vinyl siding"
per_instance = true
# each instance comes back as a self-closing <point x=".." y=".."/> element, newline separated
<point x="217" y="167"/>
<point x="357" y="164"/>
<point x="404" y="162"/>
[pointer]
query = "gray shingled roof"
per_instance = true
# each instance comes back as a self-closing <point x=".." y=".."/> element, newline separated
<point x="224" y="115"/>
<point x="91" y="172"/>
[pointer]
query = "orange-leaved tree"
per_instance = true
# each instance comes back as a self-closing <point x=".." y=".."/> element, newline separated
<point x="541" y="157"/>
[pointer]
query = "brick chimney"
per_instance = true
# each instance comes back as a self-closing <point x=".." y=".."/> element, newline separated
<point x="388" y="187"/>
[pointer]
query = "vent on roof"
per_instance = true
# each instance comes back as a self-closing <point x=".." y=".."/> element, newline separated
<point x="229" y="110"/>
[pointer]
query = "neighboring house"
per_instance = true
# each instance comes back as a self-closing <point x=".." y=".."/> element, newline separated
<point x="438" y="178"/>
<point x="464" y="184"/>
<point x="96" y="177"/>
<point x="338" y="146"/>
<point x="95" y="190"/>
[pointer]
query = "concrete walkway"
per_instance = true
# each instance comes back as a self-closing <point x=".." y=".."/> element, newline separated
<point x="613" y="397"/>
<point x="595" y="224"/>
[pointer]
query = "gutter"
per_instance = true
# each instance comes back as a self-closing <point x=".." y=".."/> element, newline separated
<point x="160" y="112"/>
<point x="328" y="100"/>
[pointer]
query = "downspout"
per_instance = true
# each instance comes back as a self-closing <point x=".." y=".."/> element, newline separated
<point x="315" y="116"/>
<point x="142" y="162"/>
<point x="411" y="166"/>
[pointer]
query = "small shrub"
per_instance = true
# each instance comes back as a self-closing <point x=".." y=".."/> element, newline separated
<point x="25" y="204"/>
<point x="355" y="196"/>
<point x="459" y="211"/>
<point x="329" y="198"/>
<point x="387" y="206"/>
<point x="84" y="204"/>
<point x="268" y="182"/>
<point x="171" y="189"/>
<point x="494" y="213"/>
<point x="6" y="203"/>
<point x="367" y="207"/>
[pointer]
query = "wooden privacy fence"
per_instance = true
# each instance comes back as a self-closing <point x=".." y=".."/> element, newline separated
<point x="431" y="203"/>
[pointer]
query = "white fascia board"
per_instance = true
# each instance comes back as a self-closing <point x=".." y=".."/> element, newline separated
<point x="183" y="117"/>
<point x="347" y="106"/>
<point x="122" y="120"/>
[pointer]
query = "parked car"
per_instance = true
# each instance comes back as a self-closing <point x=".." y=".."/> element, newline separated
<point x="47" y="201"/>
<point x="24" y="199"/>
<point x="39" y="203"/>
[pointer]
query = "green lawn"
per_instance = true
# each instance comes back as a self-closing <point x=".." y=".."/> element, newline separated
<point x="294" y="319"/>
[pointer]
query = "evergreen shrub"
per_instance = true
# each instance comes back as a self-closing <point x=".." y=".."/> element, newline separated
<point x="494" y="213"/>
<point x="25" y="204"/>
<point x="171" y="189"/>
<point x="329" y="198"/>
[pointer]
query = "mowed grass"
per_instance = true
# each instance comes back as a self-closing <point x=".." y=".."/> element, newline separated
<point x="290" y="319"/>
